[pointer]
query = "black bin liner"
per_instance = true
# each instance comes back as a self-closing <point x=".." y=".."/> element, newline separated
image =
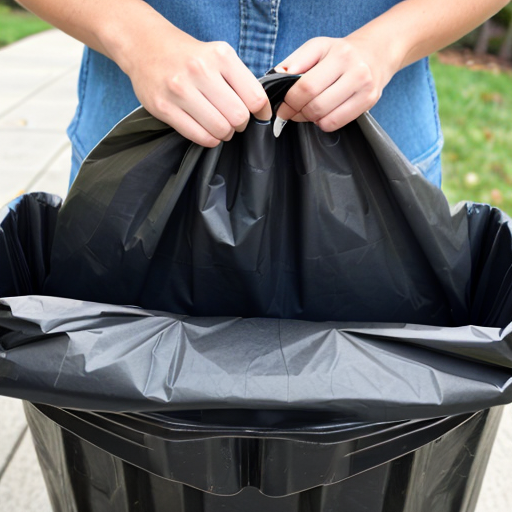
<point x="311" y="226"/>
<point x="312" y="309"/>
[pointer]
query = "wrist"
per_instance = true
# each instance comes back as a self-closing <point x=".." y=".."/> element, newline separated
<point x="384" y="54"/>
<point x="137" y="31"/>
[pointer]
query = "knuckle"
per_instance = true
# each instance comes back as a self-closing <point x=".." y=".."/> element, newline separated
<point x="196" y="66"/>
<point x="221" y="129"/>
<point x="328" y="124"/>
<point x="239" y="117"/>
<point x="258" y="102"/>
<point x="295" y="103"/>
<point x="374" y="97"/>
<point x="159" y="106"/>
<point x="208" y="141"/>
<point x="229" y="136"/>
<point x="365" y="75"/>
<point x="307" y="88"/>
<point x="343" y="49"/>
<point x="176" y="85"/>
<point x="312" y="111"/>
<point x="222" y="49"/>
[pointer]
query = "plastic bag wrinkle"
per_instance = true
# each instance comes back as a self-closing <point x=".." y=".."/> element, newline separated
<point x="301" y="292"/>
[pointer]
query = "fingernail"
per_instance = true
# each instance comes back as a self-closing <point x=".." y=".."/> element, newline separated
<point x="278" y="126"/>
<point x="281" y="69"/>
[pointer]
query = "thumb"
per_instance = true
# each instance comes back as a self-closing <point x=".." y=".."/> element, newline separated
<point x="283" y="115"/>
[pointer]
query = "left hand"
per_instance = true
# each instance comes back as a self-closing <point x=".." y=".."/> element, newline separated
<point x="342" y="78"/>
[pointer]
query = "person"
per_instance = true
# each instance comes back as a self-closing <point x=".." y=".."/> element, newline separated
<point x="193" y="64"/>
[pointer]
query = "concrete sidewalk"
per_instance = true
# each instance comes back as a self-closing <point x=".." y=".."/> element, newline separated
<point x="38" y="79"/>
<point x="37" y="99"/>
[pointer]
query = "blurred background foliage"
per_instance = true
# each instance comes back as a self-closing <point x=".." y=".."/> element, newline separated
<point x="494" y="36"/>
<point x="475" y="106"/>
<point x="16" y="23"/>
<point x="474" y="82"/>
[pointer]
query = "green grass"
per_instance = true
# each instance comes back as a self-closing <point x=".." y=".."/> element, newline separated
<point x="476" y="116"/>
<point x="17" y="23"/>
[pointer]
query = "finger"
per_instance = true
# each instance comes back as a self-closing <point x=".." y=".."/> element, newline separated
<point x="280" y="123"/>
<point x="187" y="126"/>
<point x="331" y="98"/>
<point x="201" y="111"/>
<point x="265" y="113"/>
<point x="204" y="113"/>
<point x="285" y="112"/>
<point x="303" y="58"/>
<point x="247" y="87"/>
<point x="345" y="113"/>
<point x="299" y="118"/>
<point x="312" y="84"/>
<point x="220" y="94"/>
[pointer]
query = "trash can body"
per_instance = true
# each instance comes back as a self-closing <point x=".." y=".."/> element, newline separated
<point x="155" y="463"/>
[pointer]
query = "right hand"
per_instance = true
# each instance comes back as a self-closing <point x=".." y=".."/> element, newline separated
<point x="203" y="90"/>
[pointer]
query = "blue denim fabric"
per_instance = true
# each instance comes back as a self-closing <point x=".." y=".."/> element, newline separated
<point x="264" y="32"/>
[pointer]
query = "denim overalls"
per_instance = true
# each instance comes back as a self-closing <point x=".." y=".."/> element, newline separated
<point x="264" y="32"/>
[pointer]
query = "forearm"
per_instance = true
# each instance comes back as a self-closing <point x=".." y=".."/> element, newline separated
<point x="202" y="89"/>
<point x="344" y="77"/>
<point x="110" y="27"/>
<point x="413" y="29"/>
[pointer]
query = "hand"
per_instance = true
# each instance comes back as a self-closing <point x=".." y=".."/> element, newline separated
<point x="342" y="78"/>
<point x="203" y="90"/>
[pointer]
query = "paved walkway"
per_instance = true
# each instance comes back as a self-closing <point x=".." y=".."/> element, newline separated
<point x="37" y="98"/>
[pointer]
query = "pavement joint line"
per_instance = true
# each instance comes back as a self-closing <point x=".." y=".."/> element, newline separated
<point x="11" y="455"/>
<point x="35" y="92"/>
<point x="47" y="166"/>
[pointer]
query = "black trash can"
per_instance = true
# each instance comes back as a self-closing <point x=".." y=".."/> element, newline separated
<point x="253" y="461"/>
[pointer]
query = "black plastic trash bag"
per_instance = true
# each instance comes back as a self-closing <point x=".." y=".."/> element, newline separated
<point x="310" y="226"/>
<point x="93" y="356"/>
<point x="26" y="236"/>
<point x="246" y="247"/>
<point x="412" y="260"/>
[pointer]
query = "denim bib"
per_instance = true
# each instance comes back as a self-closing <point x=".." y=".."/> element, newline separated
<point x="264" y="32"/>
